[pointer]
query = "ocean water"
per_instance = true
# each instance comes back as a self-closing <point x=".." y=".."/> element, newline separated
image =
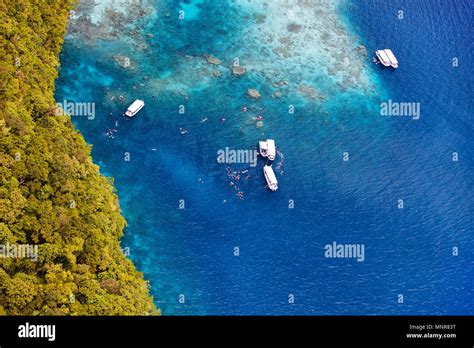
<point x="320" y="99"/>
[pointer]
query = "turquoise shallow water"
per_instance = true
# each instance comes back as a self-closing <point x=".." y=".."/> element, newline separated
<point x="309" y="53"/>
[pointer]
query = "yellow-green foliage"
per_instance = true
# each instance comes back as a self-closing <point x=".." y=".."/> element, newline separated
<point x="51" y="194"/>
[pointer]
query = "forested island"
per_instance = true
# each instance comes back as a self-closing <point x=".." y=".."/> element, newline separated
<point x="52" y="195"/>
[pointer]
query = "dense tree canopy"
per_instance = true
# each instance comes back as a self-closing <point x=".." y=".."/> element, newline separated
<point x="51" y="193"/>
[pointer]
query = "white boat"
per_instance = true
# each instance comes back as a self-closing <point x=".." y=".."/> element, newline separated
<point x="383" y="58"/>
<point x="270" y="177"/>
<point x="391" y="57"/>
<point x="136" y="106"/>
<point x="267" y="149"/>
<point x="271" y="149"/>
<point x="387" y="58"/>
<point x="262" y="145"/>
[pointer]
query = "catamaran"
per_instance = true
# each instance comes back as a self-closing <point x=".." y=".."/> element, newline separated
<point x="267" y="149"/>
<point x="270" y="177"/>
<point x="133" y="109"/>
<point x="387" y="58"/>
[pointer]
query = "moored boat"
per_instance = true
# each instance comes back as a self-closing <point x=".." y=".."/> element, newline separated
<point x="270" y="177"/>
<point x="387" y="58"/>
<point x="263" y="147"/>
<point x="391" y="57"/>
<point x="267" y="149"/>
<point x="383" y="58"/>
<point x="133" y="109"/>
<point x="271" y="149"/>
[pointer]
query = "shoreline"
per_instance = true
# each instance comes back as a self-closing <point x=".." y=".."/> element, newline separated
<point x="56" y="199"/>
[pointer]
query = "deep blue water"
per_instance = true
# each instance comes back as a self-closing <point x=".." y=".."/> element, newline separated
<point x="191" y="251"/>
